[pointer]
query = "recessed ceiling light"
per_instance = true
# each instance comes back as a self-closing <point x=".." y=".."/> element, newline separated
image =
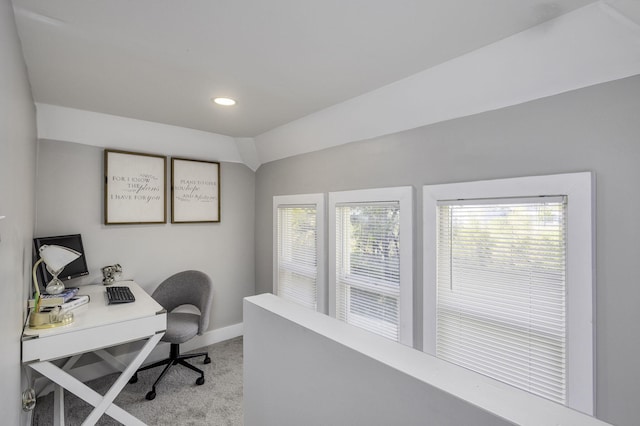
<point x="224" y="101"/>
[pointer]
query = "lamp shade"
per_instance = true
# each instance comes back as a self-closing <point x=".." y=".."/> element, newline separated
<point x="57" y="257"/>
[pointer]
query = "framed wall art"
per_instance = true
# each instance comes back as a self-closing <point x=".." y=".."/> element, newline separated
<point x="195" y="191"/>
<point x="135" y="188"/>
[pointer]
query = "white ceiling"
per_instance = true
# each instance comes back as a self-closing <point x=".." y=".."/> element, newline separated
<point x="162" y="60"/>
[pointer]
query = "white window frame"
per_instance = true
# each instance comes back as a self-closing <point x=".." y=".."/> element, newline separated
<point x="578" y="187"/>
<point x="403" y="195"/>
<point x="305" y="200"/>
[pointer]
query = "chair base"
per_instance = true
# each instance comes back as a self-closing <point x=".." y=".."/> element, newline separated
<point x="175" y="358"/>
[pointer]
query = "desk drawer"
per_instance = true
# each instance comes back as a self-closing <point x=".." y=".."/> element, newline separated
<point x="90" y="339"/>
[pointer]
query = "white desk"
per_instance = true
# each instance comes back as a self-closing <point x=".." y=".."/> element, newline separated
<point x="96" y="326"/>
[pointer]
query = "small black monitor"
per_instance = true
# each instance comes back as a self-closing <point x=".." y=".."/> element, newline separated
<point x="75" y="269"/>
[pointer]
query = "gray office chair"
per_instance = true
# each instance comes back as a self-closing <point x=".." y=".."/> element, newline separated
<point x="184" y="288"/>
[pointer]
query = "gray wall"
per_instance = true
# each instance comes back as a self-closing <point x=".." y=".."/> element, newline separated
<point x="305" y="368"/>
<point x="295" y="376"/>
<point x="595" y="129"/>
<point x="17" y="175"/>
<point x="70" y="199"/>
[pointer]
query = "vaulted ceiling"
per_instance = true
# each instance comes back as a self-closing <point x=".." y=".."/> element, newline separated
<point x="163" y="60"/>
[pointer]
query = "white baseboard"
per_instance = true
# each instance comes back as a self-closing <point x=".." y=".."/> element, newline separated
<point x="211" y="337"/>
<point x="99" y="369"/>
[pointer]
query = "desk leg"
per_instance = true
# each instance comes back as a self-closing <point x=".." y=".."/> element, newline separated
<point x="123" y="379"/>
<point x="58" y="394"/>
<point x="102" y="404"/>
<point x="66" y="367"/>
<point x="58" y="405"/>
<point x="111" y="360"/>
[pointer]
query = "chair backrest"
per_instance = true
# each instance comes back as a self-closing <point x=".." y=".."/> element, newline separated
<point x="187" y="288"/>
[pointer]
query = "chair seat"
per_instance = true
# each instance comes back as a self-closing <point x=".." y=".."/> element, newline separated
<point x="181" y="326"/>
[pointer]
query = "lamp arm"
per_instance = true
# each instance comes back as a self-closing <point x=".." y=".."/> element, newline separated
<point x="35" y="283"/>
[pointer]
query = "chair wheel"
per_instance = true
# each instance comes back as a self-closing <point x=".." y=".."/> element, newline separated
<point x="133" y="379"/>
<point x="151" y="395"/>
<point x="207" y="360"/>
<point x="199" y="382"/>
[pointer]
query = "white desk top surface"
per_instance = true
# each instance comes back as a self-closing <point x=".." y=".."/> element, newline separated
<point x="97" y="325"/>
<point x="98" y="313"/>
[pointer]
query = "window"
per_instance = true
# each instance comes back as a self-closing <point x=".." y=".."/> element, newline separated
<point x="371" y="273"/>
<point x="508" y="282"/>
<point x="299" y="249"/>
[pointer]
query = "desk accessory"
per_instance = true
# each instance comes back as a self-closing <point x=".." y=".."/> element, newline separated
<point x="55" y="299"/>
<point x="55" y="258"/>
<point x="110" y="273"/>
<point x="75" y="302"/>
<point x="50" y="318"/>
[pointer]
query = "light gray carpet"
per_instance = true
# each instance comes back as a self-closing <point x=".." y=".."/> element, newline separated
<point x="178" y="402"/>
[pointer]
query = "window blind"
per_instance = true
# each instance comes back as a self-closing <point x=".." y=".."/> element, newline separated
<point x="297" y="257"/>
<point x="368" y="266"/>
<point x="501" y="291"/>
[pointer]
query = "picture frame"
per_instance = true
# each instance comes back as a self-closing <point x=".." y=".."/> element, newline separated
<point x="135" y="188"/>
<point x="195" y="191"/>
